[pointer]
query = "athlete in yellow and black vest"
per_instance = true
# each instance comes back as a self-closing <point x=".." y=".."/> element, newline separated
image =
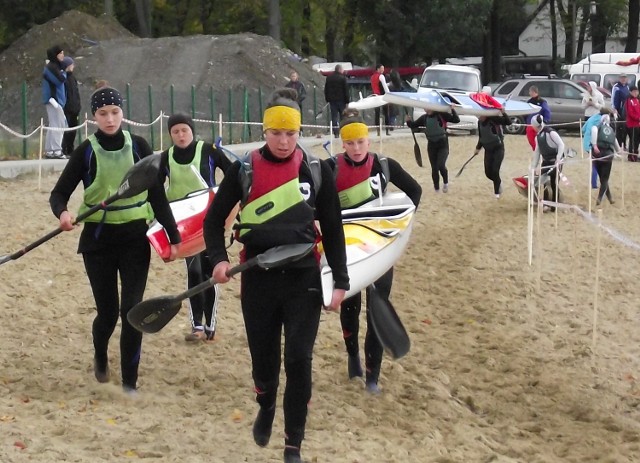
<point x="360" y="177"/>
<point x="190" y="165"/>
<point x="113" y="243"/>
<point x="281" y="191"/>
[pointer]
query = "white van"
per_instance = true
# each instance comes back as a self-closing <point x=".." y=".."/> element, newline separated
<point x="603" y="70"/>
<point x="454" y="79"/>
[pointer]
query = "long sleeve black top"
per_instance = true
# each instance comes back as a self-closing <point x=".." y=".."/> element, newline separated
<point x="327" y="206"/>
<point x="77" y="171"/>
<point x="494" y="120"/>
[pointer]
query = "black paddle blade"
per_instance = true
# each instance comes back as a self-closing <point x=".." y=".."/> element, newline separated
<point x="416" y="149"/>
<point x="417" y="154"/>
<point x="387" y="325"/>
<point x="152" y="315"/>
<point x="282" y="255"/>
<point x="140" y="177"/>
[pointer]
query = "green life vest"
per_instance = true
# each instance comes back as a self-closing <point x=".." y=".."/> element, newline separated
<point x="182" y="178"/>
<point x="606" y="138"/>
<point x="434" y="128"/>
<point x="111" y="167"/>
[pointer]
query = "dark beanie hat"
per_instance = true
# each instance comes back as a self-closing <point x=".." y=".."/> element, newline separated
<point x="105" y="96"/>
<point x="180" y="118"/>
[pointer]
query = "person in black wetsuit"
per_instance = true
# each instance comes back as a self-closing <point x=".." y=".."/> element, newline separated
<point x="356" y="170"/>
<point x="180" y="162"/>
<point x="113" y="242"/>
<point x="288" y="191"/>
<point x="435" y="128"/>
<point x="491" y="138"/>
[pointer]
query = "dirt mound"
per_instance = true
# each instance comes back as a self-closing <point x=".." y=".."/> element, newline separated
<point x="73" y="30"/>
<point x="176" y="71"/>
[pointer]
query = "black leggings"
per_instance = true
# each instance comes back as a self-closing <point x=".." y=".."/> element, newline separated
<point x="205" y="303"/>
<point x="553" y="178"/>
<point x="350" y="321"/>
<point x="69" y="137"/>
<point x="438" y="153"/>
<point x="492" y="161"/>
<point x="634" y="139"/>
<point x="604" y="171"/>
<point x="270" y="301"/>
<point x="131" y="262"/>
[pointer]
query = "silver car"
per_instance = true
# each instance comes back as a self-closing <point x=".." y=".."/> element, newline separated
<point x="563" y="96"/>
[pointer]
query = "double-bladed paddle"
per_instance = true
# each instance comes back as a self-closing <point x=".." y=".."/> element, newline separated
<point x="387" y="325"/>
<point x="140" y="177"/>
<point x="152" y="315"/>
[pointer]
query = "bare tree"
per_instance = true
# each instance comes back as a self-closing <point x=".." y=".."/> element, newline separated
<point x="143" y="14"/>
<point x="554" y="35"/>
<point x="108" y="7"/>
<point x="632" y="28"/>
<point x="275" y="19"/>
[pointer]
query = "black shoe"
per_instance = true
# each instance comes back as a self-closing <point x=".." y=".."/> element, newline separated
<point x="101" y="371"/>
<point x="354" y="366"/>
<point x="292" y="455"/>
<point x="262" y="425"/>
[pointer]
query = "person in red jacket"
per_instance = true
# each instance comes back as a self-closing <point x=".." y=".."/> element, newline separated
<point x="379" y="87"/>
<point x="632" y="112"/>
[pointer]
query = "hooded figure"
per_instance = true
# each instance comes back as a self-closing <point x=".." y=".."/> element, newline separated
<point x="592" y="100"/>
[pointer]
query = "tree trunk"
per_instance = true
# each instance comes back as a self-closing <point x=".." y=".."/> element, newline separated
<point x="598" y="32"/>
<point x="496" y="39"/>
<point x="554" y="34"/>
<point x="108" y="7"/>
<point x="349" y="30"/>
<point x="632" y="29"/>
<point x="581" y="35"/>
<point x="330" y="40"/>
<point x="305" y="45"/>
<point x="143" y="14"/>
<point x="275" y="20"/>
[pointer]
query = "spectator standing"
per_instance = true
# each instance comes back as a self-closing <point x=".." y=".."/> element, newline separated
<point x="71" y="107"/>
<point x="632" y="116"/>
<point x="336" y="94"/>
<point x="54" y="98"/>
<point x="592" y="100"/>
<point x="619" y="94"/>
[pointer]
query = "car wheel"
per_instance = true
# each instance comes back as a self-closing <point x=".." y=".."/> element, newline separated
<point x="514" y="129"/>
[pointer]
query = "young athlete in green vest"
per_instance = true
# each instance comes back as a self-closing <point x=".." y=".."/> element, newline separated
<point x="190" y="166"/>
<point x="113" y="242"/>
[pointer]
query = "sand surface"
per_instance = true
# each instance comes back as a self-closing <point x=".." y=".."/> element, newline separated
<point x="502" y="366"/>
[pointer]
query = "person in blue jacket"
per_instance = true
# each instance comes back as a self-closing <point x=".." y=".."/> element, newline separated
<point x="619" y="94"/>
<point x="54" y="97"/>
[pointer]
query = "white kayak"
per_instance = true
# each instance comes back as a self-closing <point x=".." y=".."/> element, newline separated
<point x="369" y="102"/>
<point x="376" y="235"/>
<point x="442" y="101"/>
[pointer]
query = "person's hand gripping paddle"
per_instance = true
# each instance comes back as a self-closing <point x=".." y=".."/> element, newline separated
<point x="387" y="325"/>
<point x="152" y="315"/>
<point x="140" y="177"/>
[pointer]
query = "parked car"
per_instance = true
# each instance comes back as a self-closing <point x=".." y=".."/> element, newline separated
<point x="563" y="96"/>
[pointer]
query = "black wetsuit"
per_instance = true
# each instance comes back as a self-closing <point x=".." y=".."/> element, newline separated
<point x="438" y="143"/>
<point x="288" y="297"/>
<point x="71" y="112"/>
<point x="493" y="144"/>
<point x="204" y="304"/>
<point x="112" y="250"/>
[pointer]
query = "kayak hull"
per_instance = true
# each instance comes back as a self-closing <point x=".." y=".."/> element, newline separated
<point x="375" y="238"/>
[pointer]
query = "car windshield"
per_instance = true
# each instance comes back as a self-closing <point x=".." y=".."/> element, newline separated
<point x="450" y="80"/>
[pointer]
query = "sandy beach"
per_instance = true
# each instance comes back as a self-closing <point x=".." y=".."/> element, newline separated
<point x="503" y="366"/>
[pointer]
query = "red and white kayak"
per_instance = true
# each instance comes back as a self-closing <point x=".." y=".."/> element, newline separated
<point x="376" y="235"/>
<point x="189" y="214"/>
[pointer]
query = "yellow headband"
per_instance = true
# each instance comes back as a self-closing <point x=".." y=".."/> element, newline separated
<point x="353" y="131"/>
<point x="281" y="117"/>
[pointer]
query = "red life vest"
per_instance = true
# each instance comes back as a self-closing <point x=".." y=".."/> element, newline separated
<point x="375" y="83"/>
